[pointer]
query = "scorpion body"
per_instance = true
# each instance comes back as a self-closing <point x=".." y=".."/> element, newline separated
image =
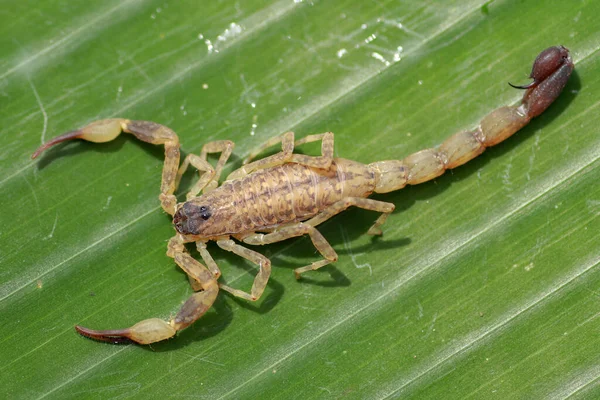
<point x="268" y="198"/>
<point x="287" y="195"/>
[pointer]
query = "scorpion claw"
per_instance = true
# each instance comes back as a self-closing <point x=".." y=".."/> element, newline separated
<point x="112" y="336"/>
<point x="144" y="332"/>
<point x="65" y="136"/>
<point x="98" y="132"/>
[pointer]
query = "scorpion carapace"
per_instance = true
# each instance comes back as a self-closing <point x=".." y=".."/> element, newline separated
<point x="287" y="195"/>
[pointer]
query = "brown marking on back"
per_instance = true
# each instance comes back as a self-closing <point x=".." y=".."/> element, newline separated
<point x="287" y="193"/>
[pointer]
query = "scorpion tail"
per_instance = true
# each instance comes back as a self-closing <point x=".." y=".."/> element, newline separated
<point x="550" y="73"/>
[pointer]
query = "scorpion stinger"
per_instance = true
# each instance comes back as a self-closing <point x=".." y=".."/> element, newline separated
<point x="546" y="64"/>
<point x="288" y="195"/>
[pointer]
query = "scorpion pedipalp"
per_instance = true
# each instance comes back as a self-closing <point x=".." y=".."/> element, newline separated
<point x="106" y="130"/>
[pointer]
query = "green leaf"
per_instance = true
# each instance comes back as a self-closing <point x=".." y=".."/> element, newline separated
<point x="484" y="285"/>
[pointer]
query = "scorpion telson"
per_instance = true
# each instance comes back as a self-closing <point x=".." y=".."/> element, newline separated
<point x="287" y="195"/>
<point x="545" y="64"/>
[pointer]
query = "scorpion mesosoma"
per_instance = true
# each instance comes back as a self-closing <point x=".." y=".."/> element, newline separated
<point x="287" y="195"/>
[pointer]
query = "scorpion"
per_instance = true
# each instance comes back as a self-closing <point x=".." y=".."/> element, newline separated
<point x="288" y="195"/>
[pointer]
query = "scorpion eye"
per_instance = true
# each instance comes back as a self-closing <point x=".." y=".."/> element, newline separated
<point x="204" y="213"/>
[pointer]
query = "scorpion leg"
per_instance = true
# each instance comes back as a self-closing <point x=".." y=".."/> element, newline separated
<point x="326" y="148"/>
<point x="210" y="264"/>
<point x="154" y="329"/>
<point x="108" y="129"/>
<point x="366" y="204"/>
<point x="284" y="139"/>
<point x="295" y="230"/>
<point x="286" y="155"/>
<point x="209" y="180"/>
<point x="320" y="243"/>
<point x="264" y="271"/>
<point x="206" y="280"/>
<point x="324" y="161"/>
<point x="336" y="208"/>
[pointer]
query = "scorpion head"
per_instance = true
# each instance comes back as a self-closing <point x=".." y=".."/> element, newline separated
<point x="189" y="218"/>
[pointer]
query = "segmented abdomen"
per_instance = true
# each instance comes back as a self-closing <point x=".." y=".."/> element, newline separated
<point x="294" y="192"/>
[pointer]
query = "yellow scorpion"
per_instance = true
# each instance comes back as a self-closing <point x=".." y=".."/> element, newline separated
<point x="288" y="195"/>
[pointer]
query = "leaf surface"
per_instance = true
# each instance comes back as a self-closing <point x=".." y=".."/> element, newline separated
<point x="484" y="285"/>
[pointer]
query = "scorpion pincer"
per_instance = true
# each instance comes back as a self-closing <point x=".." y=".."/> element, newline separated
<point x="288" y="195"/>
